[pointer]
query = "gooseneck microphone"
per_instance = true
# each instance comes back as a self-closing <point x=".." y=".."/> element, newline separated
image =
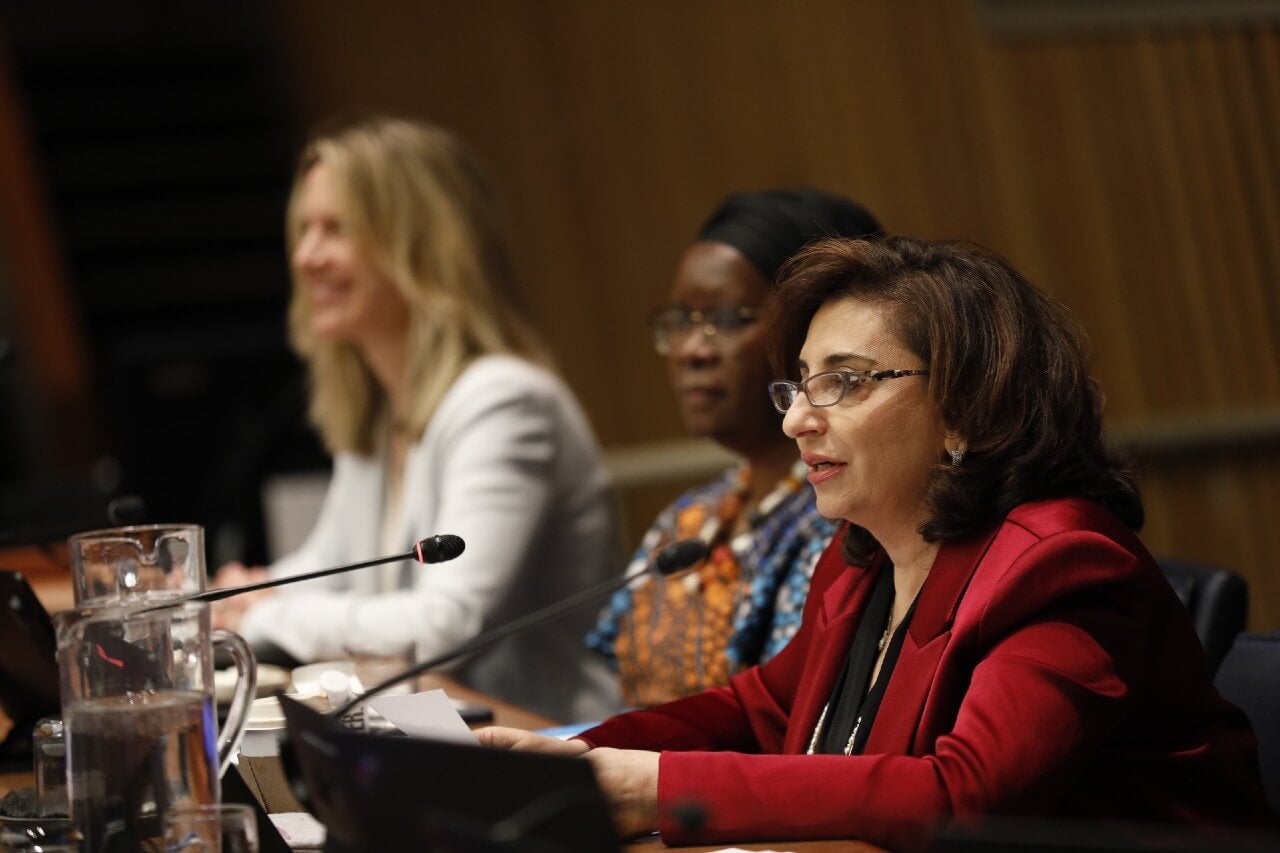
<point x="674" y="558"/>
<point x="433" y="549"/>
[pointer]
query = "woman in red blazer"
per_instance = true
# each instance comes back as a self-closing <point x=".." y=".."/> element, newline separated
<point x="987" y="636"/>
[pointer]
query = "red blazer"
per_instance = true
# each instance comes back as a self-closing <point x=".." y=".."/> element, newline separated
<point x="1049" y="669"/>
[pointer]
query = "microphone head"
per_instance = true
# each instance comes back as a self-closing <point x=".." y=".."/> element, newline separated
<point x="439" y="549"/>
<point x="679" y="556"/>
<point x="126" y="510"/>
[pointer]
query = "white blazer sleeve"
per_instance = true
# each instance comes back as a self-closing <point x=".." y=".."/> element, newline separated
<point x="321" y="548"/>
<point x="483" y="472"/>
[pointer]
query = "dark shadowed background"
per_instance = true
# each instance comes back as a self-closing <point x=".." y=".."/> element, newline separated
<point x="1125" y="155"/>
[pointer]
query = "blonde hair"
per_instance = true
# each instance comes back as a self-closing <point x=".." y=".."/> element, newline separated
<point x="420" y="206"/>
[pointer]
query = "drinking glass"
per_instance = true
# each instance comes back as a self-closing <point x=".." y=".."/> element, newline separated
<point x="374" y="666"/>
<point x="138" y="711"/>
<point x="225" y="828"/>
<point x="49" y="754"/>
<point x="136" y="564"/>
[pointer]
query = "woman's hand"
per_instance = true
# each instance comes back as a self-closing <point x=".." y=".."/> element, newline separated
<point x="228" y="612"/>
<point x="629" y="779"/>
<point x="502" y="737"/>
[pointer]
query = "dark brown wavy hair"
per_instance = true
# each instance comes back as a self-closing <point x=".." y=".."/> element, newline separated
<point x="1008" y="371"/>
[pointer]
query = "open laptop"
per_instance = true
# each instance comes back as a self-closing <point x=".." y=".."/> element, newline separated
<point x="28" y="667"/>
<point x="378" y="792"/>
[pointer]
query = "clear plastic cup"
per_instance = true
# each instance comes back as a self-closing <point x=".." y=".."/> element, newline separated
<point x="215" y="828"/>
<point x="49" y="760"/>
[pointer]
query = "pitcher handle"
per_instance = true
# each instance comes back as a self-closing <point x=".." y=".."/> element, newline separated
<point x="246" y="688"/>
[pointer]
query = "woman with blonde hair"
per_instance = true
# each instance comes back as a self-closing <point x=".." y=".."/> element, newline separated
<point x="436" y="400"/>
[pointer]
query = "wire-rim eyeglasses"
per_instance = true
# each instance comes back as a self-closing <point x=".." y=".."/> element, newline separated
<point x="829" y="387"/>
<point x="674" y="323"/>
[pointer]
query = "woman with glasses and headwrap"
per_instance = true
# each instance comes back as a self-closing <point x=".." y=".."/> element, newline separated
<point x="669" y="638"/>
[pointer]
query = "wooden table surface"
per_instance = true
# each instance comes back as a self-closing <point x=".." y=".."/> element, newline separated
<point x="652" y="845"/>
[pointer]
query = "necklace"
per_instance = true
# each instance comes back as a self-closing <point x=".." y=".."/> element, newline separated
<point x="817" y="732"/>
<point x="881" y="644"/>
<point x="783" y="489"/>
<point x="720" y="522"/>
<point x="884" y="638"/>
<point x="888" y="629"/>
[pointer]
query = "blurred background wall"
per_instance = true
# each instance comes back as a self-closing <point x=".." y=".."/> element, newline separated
<point x="1125" y="155"/>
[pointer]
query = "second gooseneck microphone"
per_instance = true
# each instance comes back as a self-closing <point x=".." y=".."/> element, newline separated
<point x="433" y="549"/>
<point x="674" y="558"/>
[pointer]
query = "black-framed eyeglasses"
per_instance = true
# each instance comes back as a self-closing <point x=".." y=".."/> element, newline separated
<point x="674" y="323"/>
<point x="829" y="387"/>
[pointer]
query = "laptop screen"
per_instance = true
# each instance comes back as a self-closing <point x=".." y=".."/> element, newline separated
<point x="28" y="663"/>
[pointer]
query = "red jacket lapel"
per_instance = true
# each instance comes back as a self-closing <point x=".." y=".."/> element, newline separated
<point x="842" y="600"/>
<point x="900" y="710"/>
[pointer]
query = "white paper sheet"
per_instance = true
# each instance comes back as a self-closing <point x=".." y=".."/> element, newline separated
<point x="300" y="830"/>
<point x="430" y="715"/>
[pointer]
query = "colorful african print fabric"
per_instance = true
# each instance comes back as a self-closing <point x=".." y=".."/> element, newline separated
<point x="670" y="638"/>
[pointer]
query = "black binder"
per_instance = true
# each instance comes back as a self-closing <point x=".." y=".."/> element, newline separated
<point x="376" y="792"/>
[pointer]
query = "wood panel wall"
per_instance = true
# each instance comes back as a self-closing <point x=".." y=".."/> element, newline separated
<point x="45" y="324"/>
<point x="1133" y="173"/>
